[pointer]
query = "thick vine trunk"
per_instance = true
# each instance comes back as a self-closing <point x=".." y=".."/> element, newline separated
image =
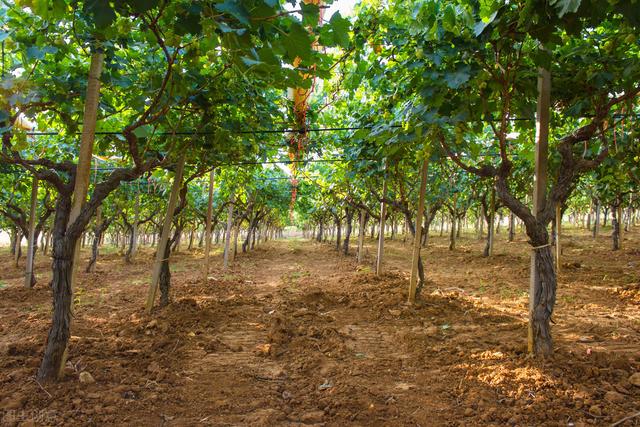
<point x="619" y="218"/>
<point x="421" y="277"/>
<point x="131" y="244"/>
<point x="13" y="234"/>
<point x="245" y="242"/>
<point x="164" y="280"/>
<point x="347" y="234"/>
<point x="253" y="235"/>
<point x="17" y="248"/>
<point x="544" y="297"/>
<point x="427" y="226"/>
<point x="423" y="236"/>
<point x="63" y="247"/>
<point x="487" y="247"/>
<point x="453" y="234"/>
<point x="393" y="229"/>
<point x="615" y="233"/>
<point x="95" y="248"/>
<point x="487" y="218"/>
<point x="175" y="247"/>
<point x="190" y="246"/>
<point x="543" y="274"/>
<point x="512" y="226"/>
<point x="596" y="222"/>
<point x="98" y="233"/>
<point x="62" y="295"/>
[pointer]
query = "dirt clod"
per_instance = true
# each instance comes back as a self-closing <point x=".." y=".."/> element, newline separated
<point x="595" y="410"/>
<point x="614" y="397"/>
<point x="312" y="417"/>
<point x="86" y="378"/>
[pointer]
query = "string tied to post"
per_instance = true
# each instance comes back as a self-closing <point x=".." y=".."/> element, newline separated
<point x="535" y="248"/>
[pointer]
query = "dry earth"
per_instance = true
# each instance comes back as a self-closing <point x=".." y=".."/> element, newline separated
<point x="295" y="334"/>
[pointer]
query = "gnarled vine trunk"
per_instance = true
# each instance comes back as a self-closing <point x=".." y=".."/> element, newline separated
<point x="60" y="327"/>
<point x="63" y="248"/>
<point x="453" y="234"/>
<point x="348" y="230"/>
<point x="544" y="293"/>
<point x="421" y="277"/>
<point x="543" y="273"/>
<point x="320" y="232"/>
<point x="338" y="232"/>
<point x="164" y="282"/>
<point x="512" y="226"/>
<point x="131" y="249"/>
<point x="17" y="248"/>
<point x="615" y="232"/>
<point x="98" y="232"/>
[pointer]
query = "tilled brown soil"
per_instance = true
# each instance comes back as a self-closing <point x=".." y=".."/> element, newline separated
<point x="295" y="334"/>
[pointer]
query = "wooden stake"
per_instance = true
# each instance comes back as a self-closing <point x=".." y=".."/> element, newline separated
<point x="227" y="236"/>
<point x="32" y="234"/>
<point x="164" y="236"/>
<point x="90" y="118"/>
<point x="83" y="169"/>
<point x="134" y="226"/>
<point x="413" y="283"/>
<point x="207" y="237"/>
<point x="383" y="214"/>
<point x="540" y="178"/>
<point x="361" y="232"/>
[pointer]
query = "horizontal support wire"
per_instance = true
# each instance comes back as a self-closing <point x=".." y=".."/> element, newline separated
<point x="205" y="133"/>
<point x="300" y="130"/>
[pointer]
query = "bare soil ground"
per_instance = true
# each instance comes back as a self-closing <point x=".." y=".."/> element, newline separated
<point x="295" y="334"/>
